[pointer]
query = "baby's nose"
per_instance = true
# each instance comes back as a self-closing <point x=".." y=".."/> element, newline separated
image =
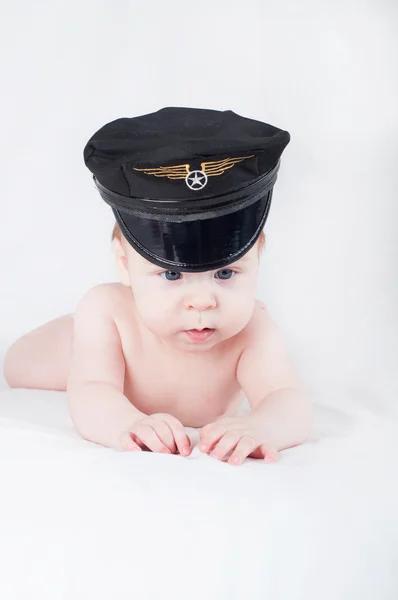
<point x="201" y="301"/>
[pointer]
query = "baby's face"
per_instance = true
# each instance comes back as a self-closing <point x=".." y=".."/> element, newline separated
<point x="193" y="311"/>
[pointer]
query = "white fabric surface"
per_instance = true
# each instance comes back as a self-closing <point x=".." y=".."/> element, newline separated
<point x="81" y="521"/>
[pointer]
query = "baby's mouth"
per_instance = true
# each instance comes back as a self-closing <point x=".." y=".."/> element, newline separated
<point x="199" y="335"/>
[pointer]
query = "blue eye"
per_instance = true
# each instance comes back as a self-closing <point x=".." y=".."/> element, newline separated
<point x="171" y="275"/>
<point x="224" y="274"/>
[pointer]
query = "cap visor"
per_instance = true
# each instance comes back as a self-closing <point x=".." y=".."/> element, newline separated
<point x="195" y="246"/>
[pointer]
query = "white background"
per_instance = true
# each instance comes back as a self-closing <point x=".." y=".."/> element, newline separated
<point x="325" y="71"/>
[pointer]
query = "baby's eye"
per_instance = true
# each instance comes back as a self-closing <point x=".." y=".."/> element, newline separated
<point x="224" y="274"/>
<point x="171" y="275"/>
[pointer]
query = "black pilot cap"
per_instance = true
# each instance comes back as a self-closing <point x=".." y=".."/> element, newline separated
<point x="189" y="187"/>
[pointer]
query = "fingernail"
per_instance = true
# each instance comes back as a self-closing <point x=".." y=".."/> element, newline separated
<point x="203" y="447"/>
<point x="185" y="450"/>
<point x="166" y="451"/>
<point x="214" y="455"/>
<point x="236" y="460"/>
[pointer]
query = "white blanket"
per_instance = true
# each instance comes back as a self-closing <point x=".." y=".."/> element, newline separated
<point x="78" y="521"/>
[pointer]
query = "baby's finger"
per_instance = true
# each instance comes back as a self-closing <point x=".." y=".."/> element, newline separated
<point x="164" y="433"/>
<point x="245" y="446"/>
<point x="205" y="430"/>
<point x="149" y="437"/>
<point x="211" y="439"/>
<point x="227" y="443"/>
<point x="269" y="453"/>
<point x="181" y="438"/>
<point x="127" y="443"/>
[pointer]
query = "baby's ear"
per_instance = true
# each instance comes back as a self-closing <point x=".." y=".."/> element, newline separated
<point x="121" y="262"/>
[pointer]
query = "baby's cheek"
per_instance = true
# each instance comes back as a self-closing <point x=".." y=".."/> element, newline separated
<point x="156" y="318"/>
<point x="242" y="311"/>
<point x="151" y="315"/>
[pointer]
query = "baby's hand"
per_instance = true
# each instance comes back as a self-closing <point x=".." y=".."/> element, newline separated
<point x="241" y="435"/>
<point x="160" y="432"/>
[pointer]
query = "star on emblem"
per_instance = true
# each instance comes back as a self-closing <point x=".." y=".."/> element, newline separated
<point x="196" y="180"/>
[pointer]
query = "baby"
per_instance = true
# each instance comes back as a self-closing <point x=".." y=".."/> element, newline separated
<point x="180" y="340"/>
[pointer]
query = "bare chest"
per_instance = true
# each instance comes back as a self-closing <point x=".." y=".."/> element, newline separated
<point x="195" y="391"/>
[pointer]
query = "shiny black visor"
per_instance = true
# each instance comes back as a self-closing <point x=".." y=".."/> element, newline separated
<point x="194" y="236"/>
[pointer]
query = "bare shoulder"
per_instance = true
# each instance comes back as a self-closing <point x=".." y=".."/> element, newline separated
<point x="261" y="312"/>
<point x="261" y="333"/>
<point x="97" y="353"/>
<point x="264" y="364"/>
<point x="260" y="325"/>
<point x="104" y="297"/>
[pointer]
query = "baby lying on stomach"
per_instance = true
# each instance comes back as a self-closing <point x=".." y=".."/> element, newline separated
<point x="181" y="339"/>
<point x="161" y="350"/>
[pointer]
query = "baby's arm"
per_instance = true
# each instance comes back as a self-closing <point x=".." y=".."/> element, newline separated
<point x="100" y="412"/>
<point x="274" y="390"/>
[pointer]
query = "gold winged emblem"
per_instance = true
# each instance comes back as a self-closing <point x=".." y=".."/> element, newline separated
<point x="195" y="180"/>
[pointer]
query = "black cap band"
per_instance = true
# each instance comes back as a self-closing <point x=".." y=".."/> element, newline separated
<point x="190" y="209"/>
